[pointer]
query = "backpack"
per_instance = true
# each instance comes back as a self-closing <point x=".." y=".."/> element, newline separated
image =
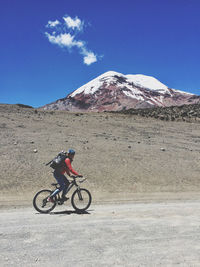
<point x="59" y="161"/>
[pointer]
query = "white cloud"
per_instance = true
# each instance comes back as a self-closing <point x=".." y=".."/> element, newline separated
<point x="68" y="40"/>
<point x="89" y="58"/>
<point x="73" y="24"/>
<point x="52" y="24"/>
<point x="63" y="40"/>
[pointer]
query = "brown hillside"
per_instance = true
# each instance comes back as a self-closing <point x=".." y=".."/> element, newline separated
<point x="121" y="155"/>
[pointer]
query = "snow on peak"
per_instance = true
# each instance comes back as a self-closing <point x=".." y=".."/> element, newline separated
<point x="138" y="80"/>
<point x="148" y="82"/>
<point x="110" y="73"/>
<point x="92" y="86"/>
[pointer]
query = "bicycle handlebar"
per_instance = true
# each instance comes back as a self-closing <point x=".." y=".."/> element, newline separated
<point x="80" y="181"/>
<point x="76" y="176"/>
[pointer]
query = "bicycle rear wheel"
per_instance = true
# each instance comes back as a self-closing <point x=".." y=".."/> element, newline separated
<point x="81" y="199"/>
<point x="40" y="202"/>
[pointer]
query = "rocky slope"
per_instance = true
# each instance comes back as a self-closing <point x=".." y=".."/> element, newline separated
<point x="121" y="155"/>
<point x="189" y="113"/>
<point x="113" y="91"/>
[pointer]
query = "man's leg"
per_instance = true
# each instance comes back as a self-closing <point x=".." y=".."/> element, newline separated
<point x="60" y="178"/>
<point x="66" y="182"/>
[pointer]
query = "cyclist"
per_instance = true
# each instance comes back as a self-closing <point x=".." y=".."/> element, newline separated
<point x="61" y="178"/>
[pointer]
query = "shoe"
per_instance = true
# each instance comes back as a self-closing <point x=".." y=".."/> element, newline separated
<point x="64" y="198"/>
<point x="50" y="199"/>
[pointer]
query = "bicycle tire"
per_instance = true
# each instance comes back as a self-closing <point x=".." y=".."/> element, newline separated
<point x="41" y="208"/>
<point x="76" y="199"/>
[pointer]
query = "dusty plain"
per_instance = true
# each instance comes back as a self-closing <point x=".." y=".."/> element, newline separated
<point x="143" y="174"/>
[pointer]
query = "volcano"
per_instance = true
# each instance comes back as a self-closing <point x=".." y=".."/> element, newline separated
<point x="113" y="91"/>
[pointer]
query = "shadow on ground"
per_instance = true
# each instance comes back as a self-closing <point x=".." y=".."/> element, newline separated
<point x="67" y="212"/>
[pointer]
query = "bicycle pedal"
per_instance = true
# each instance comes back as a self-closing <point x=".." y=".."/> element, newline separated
<point x="44" y="203"/>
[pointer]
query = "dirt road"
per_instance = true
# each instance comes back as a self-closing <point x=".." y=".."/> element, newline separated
<point x="128" y="234"/>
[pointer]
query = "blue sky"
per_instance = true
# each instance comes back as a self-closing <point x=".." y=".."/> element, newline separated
<point x="41" y="62"/>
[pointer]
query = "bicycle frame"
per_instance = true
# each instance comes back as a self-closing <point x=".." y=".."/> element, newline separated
<point x="72" y="184"/>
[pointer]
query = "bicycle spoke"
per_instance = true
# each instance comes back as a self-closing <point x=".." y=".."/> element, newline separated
<point x="41" y="203"/>
<point x="81" y="199"/>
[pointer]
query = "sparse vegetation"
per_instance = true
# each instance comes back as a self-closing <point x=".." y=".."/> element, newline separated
<point x="120" y="154"/>
<point x="189" y="113"/>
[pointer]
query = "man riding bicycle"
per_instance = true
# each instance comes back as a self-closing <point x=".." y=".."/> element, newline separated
<point x="61" y="178"/>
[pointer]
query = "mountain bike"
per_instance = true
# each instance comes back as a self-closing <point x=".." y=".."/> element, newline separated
<point x="80" y="199"/>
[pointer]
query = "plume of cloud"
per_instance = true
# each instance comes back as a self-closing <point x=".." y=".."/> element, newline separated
<point x="63" y="40"/>
<point x="73" y="24"/>
<point x="65" y="36"/>
<point x="52" y="24"/>
<point x="88" y="56"/>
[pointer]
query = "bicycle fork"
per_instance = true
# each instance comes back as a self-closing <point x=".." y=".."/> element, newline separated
<point x="79" y="193"/>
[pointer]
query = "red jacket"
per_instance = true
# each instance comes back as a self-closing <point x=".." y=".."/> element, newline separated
<point x="68" y="168"/>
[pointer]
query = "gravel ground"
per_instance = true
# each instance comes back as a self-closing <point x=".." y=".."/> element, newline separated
<point x="128" y="234"/>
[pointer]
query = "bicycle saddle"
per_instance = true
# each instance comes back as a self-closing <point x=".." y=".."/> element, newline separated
<point x="54" y="184"/>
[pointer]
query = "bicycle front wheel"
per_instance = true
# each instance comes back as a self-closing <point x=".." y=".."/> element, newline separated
<point x="81" y="199"/>
<point x="40" y="202"/>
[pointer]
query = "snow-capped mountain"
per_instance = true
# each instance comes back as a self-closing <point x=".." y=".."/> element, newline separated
<point x="113" y="91"/>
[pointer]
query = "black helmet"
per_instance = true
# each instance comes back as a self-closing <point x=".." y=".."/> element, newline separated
<point x="71" y="151"/>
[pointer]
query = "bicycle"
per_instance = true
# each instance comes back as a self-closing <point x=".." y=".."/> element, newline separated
<point x="80" y="199"/>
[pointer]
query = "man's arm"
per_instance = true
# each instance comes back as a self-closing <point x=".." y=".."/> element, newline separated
<point x="69" y="166"/>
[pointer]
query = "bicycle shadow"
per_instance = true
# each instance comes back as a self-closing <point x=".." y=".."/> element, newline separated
<point x="69" y="212"/>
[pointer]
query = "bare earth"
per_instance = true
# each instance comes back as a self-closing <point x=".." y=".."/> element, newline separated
<point x="121" y="155"/>
<point x="143" y="175"/>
